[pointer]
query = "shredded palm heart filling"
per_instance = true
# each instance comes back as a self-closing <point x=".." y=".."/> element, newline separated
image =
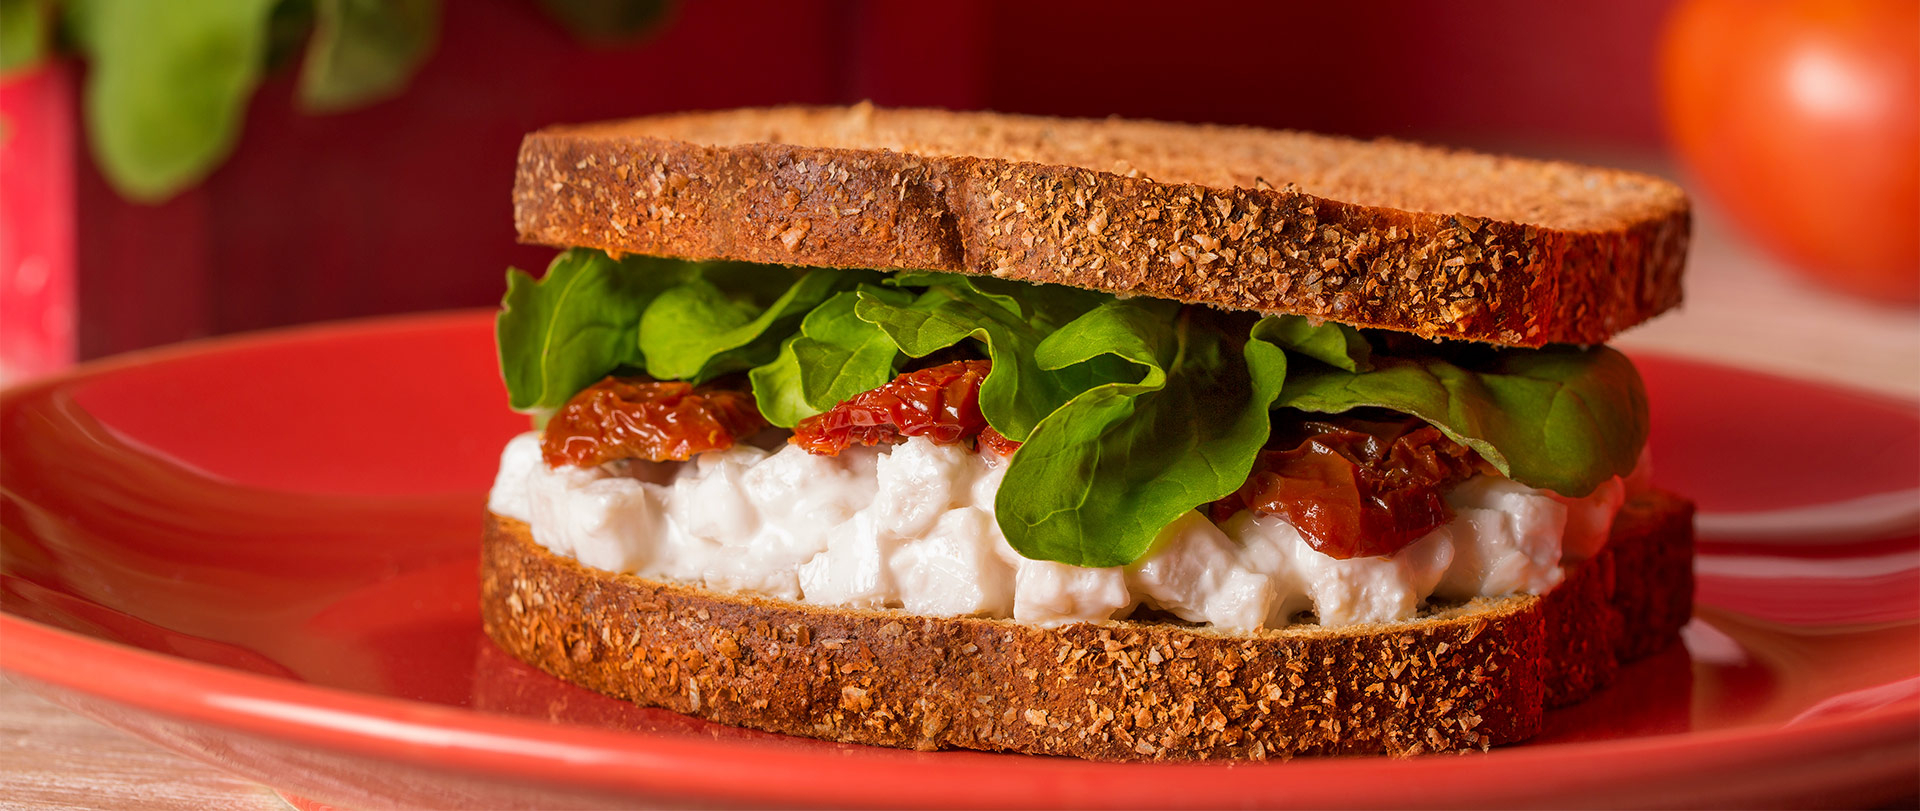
<point x="911" y="526"/>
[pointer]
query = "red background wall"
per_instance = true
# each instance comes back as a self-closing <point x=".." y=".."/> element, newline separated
<point x="404" y="205"/>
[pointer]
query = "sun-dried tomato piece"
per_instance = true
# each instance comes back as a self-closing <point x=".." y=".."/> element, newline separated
<point x="636" y="418"/>
<point x="941" y="403"/>
<point x="998" y="443"/>
<point x="1356" y="487"/>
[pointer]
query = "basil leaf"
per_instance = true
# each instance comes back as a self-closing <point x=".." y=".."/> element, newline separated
<point x="1560" y="418"/>
<point x="698" y="331"/>
<point x="1017" y="393"/>
<point x="834" y="357"/>
<point x="365" y="50"/>
<point x="1335" y="344"/>
<point x="1099" y="478"/>
<point x="575" y="325"/>
<point x="167" y="85"/>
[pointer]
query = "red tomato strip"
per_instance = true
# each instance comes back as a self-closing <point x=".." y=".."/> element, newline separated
<point x="991" y="440"/>
<point x="941" y="403"/>
<point x="635" y="418"/>
<point x="1356" y="488"/>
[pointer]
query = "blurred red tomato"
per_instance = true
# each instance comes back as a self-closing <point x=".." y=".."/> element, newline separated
<point x="1802" y="120"/>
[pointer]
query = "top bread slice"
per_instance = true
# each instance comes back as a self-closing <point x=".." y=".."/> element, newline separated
<point x="1432" y="241"/>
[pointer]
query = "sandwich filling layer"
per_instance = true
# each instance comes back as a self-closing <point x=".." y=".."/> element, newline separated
<point x="912" y="526"/>
<point x="961" y="445"/>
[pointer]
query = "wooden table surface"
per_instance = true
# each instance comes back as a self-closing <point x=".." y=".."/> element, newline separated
<point x="1741" y="310"/>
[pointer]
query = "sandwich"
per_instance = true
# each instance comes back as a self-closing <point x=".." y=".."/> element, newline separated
<point x="1110" y="439"/>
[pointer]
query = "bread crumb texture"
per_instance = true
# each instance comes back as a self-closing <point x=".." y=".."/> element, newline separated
<point x="1438" y="242"/>
<point x="1463" y="678"/>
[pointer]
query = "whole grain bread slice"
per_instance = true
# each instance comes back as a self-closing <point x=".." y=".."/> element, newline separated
<point x="1464" y="677"/>
<point x="1371" y="233"/>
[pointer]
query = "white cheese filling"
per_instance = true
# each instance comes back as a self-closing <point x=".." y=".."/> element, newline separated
<point x="911" y="526"/>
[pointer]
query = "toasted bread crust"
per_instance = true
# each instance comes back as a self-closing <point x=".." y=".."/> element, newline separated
<point x="1376" y="234"/>
<point x="1468" y="677"/>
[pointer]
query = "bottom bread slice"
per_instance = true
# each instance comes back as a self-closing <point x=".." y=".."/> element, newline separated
<point x="1459" y="677"/>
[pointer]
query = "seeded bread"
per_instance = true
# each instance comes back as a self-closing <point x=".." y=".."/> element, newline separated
<point x="1436" y="242"/>
<point x="1466" y="677"/>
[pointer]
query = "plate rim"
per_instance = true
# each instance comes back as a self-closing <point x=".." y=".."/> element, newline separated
<point x="589" y="757"/>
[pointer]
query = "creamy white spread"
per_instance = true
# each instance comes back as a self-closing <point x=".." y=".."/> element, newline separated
<point x="911" y="526"/>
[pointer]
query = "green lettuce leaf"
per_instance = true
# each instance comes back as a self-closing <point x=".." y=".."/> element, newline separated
<point x="717" y="322"/>
<point x="1560" y="418"/>
<point x="777" y="388"/>
<point x="1099" y="477"/>
<point x="576" y="324"/>
<point x="833" y="357"/>
<point x="1333" y="344"/>
<point x="844" y="355"/>
<point x="1017" y="393"/>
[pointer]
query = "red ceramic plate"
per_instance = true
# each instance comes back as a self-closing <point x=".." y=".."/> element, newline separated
<point x="260" y="551"/>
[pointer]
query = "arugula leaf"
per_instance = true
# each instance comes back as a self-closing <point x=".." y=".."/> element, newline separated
<point x="698" y="331"/>
<point x="1099" y="478"/>
<point x="1017" y="393"/>
<point x="834" y="356"/>
<point x="777" y="390"/>
<point x="577" y="324"/>
<point x="1335" y="344"/>
<point x="167" y="85"/>
<point x="1139" y="331"/>
<point x="1559" y="418"/>
<point x="844" y="355"/>
<point x="1046" y="306"/>
<point x="922" y="278"/>
<point x="853" y="342"/>
<point x="365" y="50"/>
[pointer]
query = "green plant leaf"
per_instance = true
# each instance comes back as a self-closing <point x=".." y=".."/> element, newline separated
<point x="1559" y="418"/>
<point x="608" y="21"/>
<point x="842" y="354"/>
<point x="1099" y="478"/>
<point x="167" y="86"/>
<point x="778" y="390"/>
<point x="577" y="324"/>
<point x="1017" y="393"/>
<point x="707" y="327"/>
<point x="365" y="50"/>
<point x="289" y="28"/>
<point x="1335" y="344"/>
<point x="26" y="33"/>
<point x="834" y="356"/>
